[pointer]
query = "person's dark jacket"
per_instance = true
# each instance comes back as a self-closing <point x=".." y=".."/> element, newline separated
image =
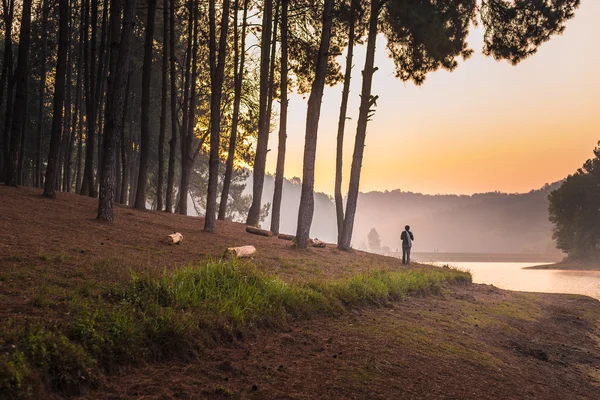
<point x="404" y="237"/>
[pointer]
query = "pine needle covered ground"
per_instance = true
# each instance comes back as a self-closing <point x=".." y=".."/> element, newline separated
<point x="110" y="311"/>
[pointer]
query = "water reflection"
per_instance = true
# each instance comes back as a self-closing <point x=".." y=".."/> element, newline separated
<point x="512" y="276"/>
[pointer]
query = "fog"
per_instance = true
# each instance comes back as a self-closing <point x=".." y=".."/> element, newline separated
<point x="481" y="223"/>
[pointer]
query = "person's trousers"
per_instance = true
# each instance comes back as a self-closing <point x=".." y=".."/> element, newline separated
<point x="406" y="255"/>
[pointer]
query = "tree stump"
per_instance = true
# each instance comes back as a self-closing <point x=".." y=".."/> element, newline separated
<point x="317" y="243"/>
<point x="258" y="231"/>
<point x="175" y="238"/>
<point x="240" y="252"/>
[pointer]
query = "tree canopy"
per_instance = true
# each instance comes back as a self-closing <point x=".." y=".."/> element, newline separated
<point x="575" y="211"/>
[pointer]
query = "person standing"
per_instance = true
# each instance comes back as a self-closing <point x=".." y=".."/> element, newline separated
<point x="407" y="239"/>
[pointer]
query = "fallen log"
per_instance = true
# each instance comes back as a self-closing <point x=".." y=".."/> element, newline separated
<point x="317" y="243"/>
<point x="175" y="238"/>
<point x="285" y="236"/>
<point x="258" y="231"/>
<point x="240" y="252"/>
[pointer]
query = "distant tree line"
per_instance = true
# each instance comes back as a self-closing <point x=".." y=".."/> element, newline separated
<point x="575" y="211"/>
<point x="143" y="102"/>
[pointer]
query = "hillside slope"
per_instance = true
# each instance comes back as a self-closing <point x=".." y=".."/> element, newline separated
<point x="466" y="341"/>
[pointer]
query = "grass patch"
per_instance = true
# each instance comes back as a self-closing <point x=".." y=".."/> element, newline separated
<point x="526" y="310"/>
<point x="31" y="352"/>
<point x="174" y="314"/>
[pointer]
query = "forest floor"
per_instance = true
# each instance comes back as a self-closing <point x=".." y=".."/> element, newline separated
<point x="466" y="341"/>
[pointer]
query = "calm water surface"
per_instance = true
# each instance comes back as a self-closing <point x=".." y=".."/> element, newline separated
<point x="512" y="276"/>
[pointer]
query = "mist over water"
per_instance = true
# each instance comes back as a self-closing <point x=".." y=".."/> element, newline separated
<point x="482" y="223"/>
<point x="513" y="276"/>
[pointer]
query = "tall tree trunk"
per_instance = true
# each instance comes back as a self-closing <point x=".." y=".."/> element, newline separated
<point x="67" y="117"/>
<point x="79" y="147"/>
<point x="101" y="90"/>
<point x="125" y="144"/>
<point x="305" y="213"/>
<point x="366" y="102"/>
<point x="116" y="8"/>
<point x="119" y="166"/>
<point x="39" y="175"/>
<point x="80" y="77"/>
<point x="339" y="200"/>
<point x="7" y="75"/>
<point x="68" y="165"/>
<point x="115" y="113"/>
<point x="173" y="141"/>
<point x="73" y="135"/>
<point x="281" y="148"/>
<point x="133" y="156"/>
<point x="272" y="68"/>
<point x="59" y="97"/>
<point x="258" y="175"/>
<point x="238" y="62"/>
<point x="21" y="78"/>
<point x="21" y="156"/>
<point x="89" y="186"/>
<point x="163" y="108"/>
<point x="140" y="198"/>
<point x="217" y="71"/>
<point x="186" y="156"/>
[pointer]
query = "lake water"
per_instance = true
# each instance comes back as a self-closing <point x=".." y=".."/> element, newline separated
<point x="512" y="276"/>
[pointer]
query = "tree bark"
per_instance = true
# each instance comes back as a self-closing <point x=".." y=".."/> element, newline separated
<point x="114" y="30"/>
<point x="217" y="75"/>
<point x="238" y="62"/>
<point x="163" y="108"/>
<point x="124" y="144"/>
<point x="272" y="68"/>
<point x="59" y="98"/>
<point x="186" y="156"/>
<point x="173" y="141"/>
<point x="281" y="148"/>
<point x="7" y="75"/>
<point x="258" y="175"/>
<point x="39" y="175"/>
<point x="140" y="198"/>
<point x="339" y="200"/>
<point x="20" y="107"/>
<point x="21" y="156"/>
<point x="67" y="118"/>
<point x="133" y="164"/>
<point x="100" y="101"/>
<point x="305" y="213"/>
<point x="115" y="114"/>
<point x="79" y="146"/>
<point x="88" y="186"/>
<point x="76" y="116"/>
<point x="366" y="102"/>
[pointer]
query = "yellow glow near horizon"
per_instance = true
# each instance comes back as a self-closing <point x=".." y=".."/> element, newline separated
<point x="486" y="126"/>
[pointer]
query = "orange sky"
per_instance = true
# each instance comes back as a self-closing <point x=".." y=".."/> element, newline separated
<point x="486" y="126"/>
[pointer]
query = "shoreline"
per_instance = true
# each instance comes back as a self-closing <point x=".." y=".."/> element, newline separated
<point x="482" y="257"/>
<point x="569" y="266"/>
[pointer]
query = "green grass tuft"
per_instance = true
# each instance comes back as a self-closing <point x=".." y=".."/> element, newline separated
<point x="152" y="318"/>
<point x="63" y="364"/>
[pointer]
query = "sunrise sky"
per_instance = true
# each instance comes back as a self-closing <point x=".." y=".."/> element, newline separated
<point x="486" y="126"/>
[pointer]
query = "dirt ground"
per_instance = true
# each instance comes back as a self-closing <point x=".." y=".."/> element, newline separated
<point x="473" y="342"/>
<point x="470" y="342"/>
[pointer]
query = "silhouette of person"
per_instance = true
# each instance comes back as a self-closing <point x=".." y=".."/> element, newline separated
<point x="407" y="239"/>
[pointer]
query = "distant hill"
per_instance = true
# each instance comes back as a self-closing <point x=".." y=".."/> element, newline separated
<point x="481" y="223"/>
